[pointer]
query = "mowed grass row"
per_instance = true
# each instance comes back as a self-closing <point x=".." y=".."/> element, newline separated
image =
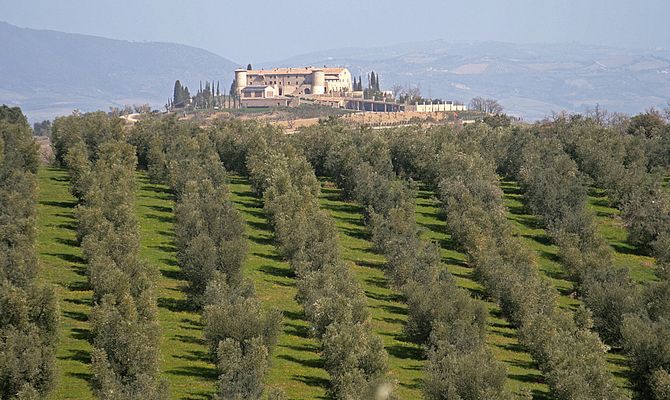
<point x="387" y="310"/>
<point x="501" y="337"/>
<point x="296" y="366"/>
<point x="185" y="360"/>
<point x="62" y="266"/>
<point x="530" y="229"/>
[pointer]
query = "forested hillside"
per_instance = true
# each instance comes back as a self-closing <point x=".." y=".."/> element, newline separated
<point x="237" y="262"/>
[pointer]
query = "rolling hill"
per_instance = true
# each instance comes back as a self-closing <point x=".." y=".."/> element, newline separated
<point x="530" y="80"/>
<point x="51" y="73"/>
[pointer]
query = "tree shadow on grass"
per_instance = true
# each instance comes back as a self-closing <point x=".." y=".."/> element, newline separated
<point x="168" y="219"/>
<point x="277" y="271"/>
<point x="196" y="355"/>
<point x="393" y="309"/>
<point x="80" y="302"/>
<point x="78" y="286"/>
<point x="199" y="396"/>
<point x="154" y="188"/>
<point x="190" y="339"/>
<point x="406" y="352"/>
<point x="81" y="356"/>
<point x="67" y="242"/>
<point x="59" y="204"/>
<point x="168" y="234"/>
<point x="391" y="297"/>
<point x="175" y="305"/>
<point x="163" y="209"/>
<point x="348" y="208"/>
<point x="174" y="274"/>
<point x="208" y="373"/>
<point x="359" y="231"/>
<point x="378" y="282"/>
<point x="297" y="330"/>
<point x="252" y="203"/>
<point x="263" y="225"/>
<point x="70" y="226"/>
<point x="310" y="363"/>
<point x="71" y="258"/>
<point x="166" y="248"/>
<point x="86" y="376"/>
<point x="82" y="334"/>
<point x="313" y="381"/>
<point x="260" y="214"/>
<point x="629" y="249"/>
<point x="76" y="315"/>
<point x="303" y="347"/>
<point x="542" y="239"/>
<point x="263" y="241"/>
<point x="190" y="324"/>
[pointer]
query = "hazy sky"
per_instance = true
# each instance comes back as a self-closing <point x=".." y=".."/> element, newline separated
<point x="262" y="30"/>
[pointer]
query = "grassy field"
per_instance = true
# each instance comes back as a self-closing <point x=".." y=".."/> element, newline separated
<point x="502" y="337"/>
<point x="62" y="266"/>
<point x="184" y="358"/>
<point x="296" y="366"/>
<point x="387" y="310"/>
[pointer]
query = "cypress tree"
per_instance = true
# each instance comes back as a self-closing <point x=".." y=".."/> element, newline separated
<point x="178" y="95"/>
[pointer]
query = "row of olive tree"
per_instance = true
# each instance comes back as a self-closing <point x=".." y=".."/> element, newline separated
<point x="211" y="249"/>
<point x="440" y="315"/>
<point x="306" y="236"/>
<point x="571" y="357"/>
<point x="124" y="320"/>
<point x="28" y="309"/>
<point x="630" y="163"/>
<point x="624" y="313"/>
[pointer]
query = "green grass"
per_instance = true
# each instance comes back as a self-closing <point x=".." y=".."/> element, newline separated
<point x="611" y="227"/>
<point x="296" y="365"/>
<point x="62" y="266"/>
<point x="184" y="357"/>
<point x="387" y="310"/>
<point x="530" y="229"/>
<point x="502" y="337"/>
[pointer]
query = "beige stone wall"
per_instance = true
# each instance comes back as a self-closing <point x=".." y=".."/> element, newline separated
<point x="301" y="82"/>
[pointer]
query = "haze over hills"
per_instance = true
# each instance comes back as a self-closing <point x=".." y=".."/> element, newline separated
<point x="530" y="80"/>
<point x="51" y="73"/>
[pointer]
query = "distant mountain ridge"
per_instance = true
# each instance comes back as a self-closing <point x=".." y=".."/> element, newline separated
<point x="530" y="80"/>
<point x="50" y="73"/>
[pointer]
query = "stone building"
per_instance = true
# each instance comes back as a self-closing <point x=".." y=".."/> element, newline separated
<point x="295" y="81"/>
